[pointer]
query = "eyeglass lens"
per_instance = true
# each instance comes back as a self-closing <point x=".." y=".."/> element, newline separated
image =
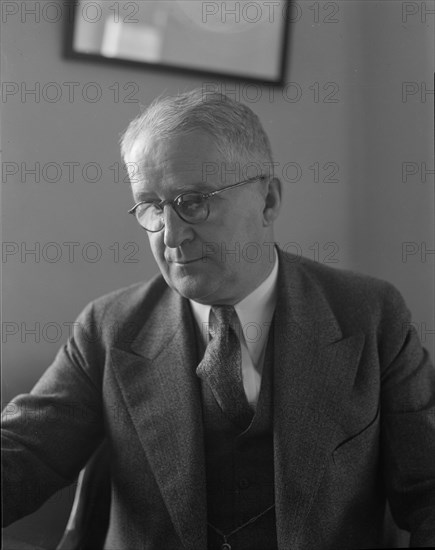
<point x="191" y="207"/>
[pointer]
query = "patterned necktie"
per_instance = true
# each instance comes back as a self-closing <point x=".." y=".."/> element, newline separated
<point x="221" y="367"/>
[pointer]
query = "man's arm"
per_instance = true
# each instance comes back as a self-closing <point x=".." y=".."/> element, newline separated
<point x="48" y="434"/>
<point x="408" y="424"/>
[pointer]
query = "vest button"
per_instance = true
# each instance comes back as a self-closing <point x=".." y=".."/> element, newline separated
<point x="244" y="483"/>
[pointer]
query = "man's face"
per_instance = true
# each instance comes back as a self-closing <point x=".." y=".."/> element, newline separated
<point x="209" y="261"/>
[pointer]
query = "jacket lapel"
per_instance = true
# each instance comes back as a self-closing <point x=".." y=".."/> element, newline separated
<point x="314" y="369"/>
<point x="160" y="388"/>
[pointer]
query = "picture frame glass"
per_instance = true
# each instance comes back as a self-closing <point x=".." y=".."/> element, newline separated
<point x="241" y="39"/>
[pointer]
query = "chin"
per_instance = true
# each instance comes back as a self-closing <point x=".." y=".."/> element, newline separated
<point x="198" y="288"/>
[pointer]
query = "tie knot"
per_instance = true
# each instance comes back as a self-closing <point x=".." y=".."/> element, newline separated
<point x="223" y="314"/>
<point x="225" y="321"/>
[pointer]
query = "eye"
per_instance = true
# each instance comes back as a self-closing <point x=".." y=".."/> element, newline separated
<point x="191" y="203"/>
<point x="147" y="206"/>
<point x="147" y="210"/>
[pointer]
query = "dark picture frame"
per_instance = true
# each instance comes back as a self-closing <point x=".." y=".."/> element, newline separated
<point x="252" y="38"/>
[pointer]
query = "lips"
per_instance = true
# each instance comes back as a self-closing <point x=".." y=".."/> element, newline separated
<point x="183" y="261"/>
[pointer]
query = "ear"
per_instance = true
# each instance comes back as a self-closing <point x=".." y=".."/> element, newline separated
<point x="272" y="202"/>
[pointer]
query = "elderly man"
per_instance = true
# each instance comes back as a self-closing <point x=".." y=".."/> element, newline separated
<point x="300" y="437"/>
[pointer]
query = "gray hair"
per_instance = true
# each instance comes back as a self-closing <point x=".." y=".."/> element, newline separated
<point x="236" y="129"/>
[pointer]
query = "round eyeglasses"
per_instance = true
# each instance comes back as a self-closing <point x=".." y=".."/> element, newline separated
<point x="192" y="207"/>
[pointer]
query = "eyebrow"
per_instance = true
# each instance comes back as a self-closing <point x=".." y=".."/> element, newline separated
<point x="198" y="187"/>
<point x="144" y="197"/>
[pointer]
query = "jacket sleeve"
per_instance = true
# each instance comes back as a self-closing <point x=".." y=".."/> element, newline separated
<point x="408" y="423"/>
<point x="48" y="434"/>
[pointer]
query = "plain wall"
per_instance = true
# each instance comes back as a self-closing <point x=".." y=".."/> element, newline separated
<point x="362" y="221"/>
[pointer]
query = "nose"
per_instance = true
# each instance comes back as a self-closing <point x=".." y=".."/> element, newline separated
<point x="176" y="230"/>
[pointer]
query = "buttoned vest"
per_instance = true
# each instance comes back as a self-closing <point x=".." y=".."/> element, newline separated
<point x="239" y="469"/>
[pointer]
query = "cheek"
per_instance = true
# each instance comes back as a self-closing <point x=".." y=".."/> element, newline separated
<point x="157" y="247"/>
<point x="245" y="228"/>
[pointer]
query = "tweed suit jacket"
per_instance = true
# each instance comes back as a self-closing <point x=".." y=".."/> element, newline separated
<point x="353" y="416"/>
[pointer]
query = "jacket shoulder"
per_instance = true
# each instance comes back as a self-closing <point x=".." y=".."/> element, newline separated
<point x="121" y="311"/>
<point x="123" y="301"/>
<point x="355" y="298"/>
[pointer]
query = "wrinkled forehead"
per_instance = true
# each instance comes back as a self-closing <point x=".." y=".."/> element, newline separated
<point x="192" y="157"/>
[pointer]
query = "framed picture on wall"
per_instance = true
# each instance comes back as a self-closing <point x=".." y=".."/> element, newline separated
<point x="243" y="39"/>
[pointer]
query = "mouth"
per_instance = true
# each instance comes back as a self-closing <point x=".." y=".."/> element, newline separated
<point x="184" y="262"/>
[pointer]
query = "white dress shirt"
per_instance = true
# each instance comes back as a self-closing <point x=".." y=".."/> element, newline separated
<point x="255" y="314"/>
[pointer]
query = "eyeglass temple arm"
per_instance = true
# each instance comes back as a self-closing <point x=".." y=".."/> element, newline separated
<point x="238" y="184"/>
